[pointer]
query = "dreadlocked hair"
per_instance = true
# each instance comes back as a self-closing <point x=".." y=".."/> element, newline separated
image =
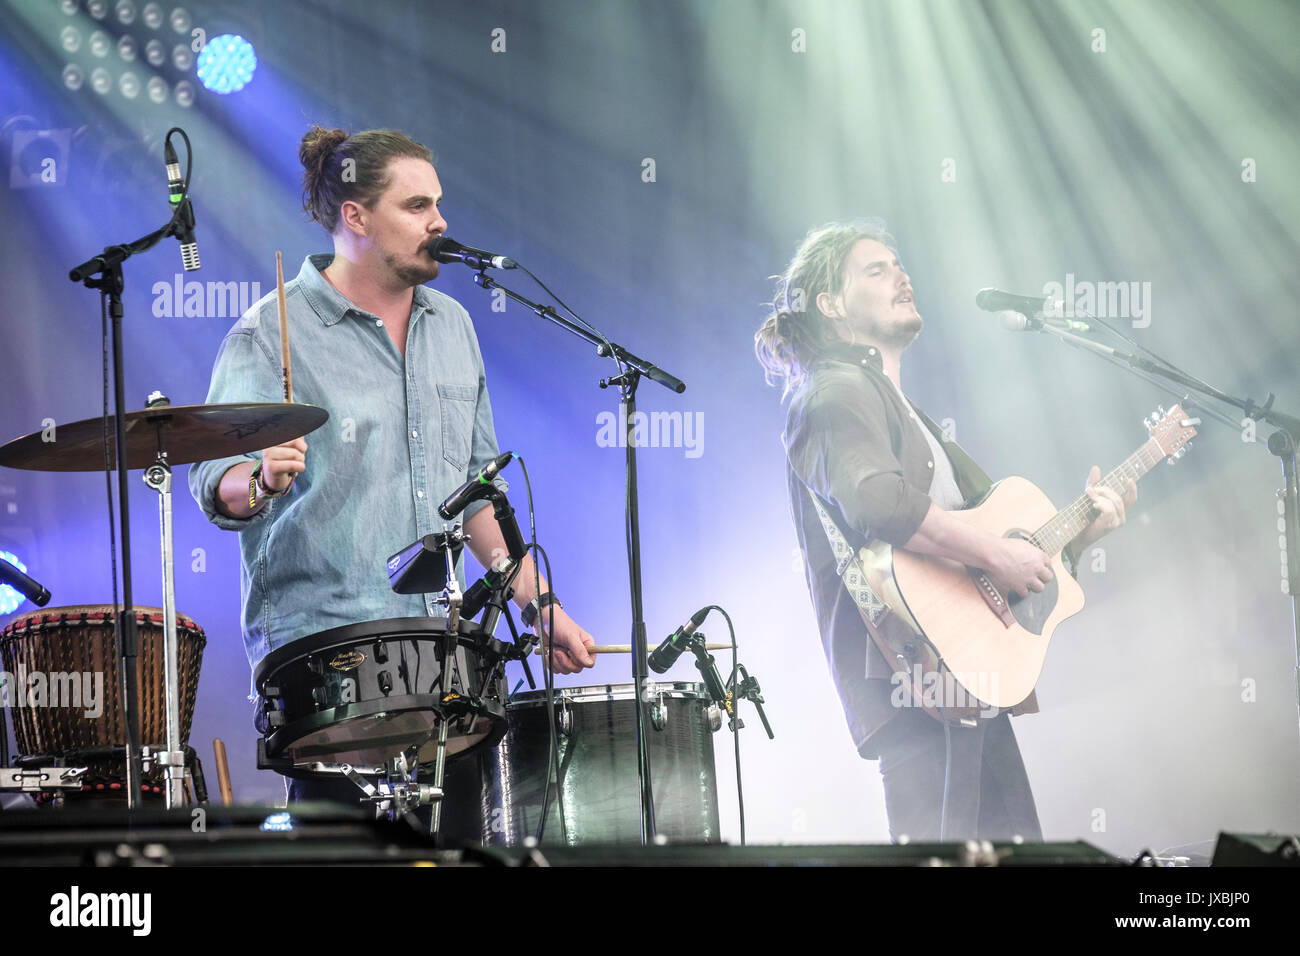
<point x="795" y="333"/>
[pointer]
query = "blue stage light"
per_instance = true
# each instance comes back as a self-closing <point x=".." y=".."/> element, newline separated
<point x="9" y="598"/>
<point x="227" y="63"/>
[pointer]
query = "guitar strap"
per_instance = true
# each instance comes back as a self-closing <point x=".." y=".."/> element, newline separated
<point x="849" y="570"/>
<point x="910" y="661"/>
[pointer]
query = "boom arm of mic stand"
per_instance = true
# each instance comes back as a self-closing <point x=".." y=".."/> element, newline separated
<point x="648" y="369"/>
<point x="1284" y="446"/>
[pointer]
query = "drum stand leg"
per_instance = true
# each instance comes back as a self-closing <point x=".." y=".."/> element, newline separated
<point x="158" y="476"/>
<point x="440" y="762"/>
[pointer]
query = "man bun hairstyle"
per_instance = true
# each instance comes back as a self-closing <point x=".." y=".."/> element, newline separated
<point x="338" y="168"/>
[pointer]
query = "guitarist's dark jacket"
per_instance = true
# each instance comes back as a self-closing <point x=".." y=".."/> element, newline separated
<point x="850" y="440"/>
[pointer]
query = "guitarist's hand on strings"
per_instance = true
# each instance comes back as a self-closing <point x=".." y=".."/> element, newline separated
<point x="1014" y="564"/>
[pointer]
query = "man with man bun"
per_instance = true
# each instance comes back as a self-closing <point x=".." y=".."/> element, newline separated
<point x="398" y="367"/>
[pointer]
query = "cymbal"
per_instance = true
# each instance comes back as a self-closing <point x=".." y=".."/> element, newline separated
<point x="189" y="433"/>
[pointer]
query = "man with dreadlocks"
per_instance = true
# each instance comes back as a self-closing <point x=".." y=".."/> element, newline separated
<point x="881" y="469"/>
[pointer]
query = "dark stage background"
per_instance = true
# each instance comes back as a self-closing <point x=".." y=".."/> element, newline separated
<point x="656" y="163"/>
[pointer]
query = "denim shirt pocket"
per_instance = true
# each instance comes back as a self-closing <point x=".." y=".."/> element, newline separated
<point x="456" y="405"/>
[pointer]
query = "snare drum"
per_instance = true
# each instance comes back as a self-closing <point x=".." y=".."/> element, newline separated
<point x="362" y="693"/>
<point x="74" y="652"/>
<point x="598" y="766"/>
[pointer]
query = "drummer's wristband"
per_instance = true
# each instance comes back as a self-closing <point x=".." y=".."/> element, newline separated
<point x="530" y="611"/>
<point x="258" y="490"/>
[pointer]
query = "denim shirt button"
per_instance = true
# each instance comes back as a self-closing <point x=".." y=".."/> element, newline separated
<point x="419" y="493"/>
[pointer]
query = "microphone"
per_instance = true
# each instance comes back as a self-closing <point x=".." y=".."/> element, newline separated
<point x="666" y="654"/>
<point x="446" y="249"/>
<point x="474" y="489"/>
<point x="182" y="210"/>
<point x="1023" y="323"/>
<point x="34" y="591"/>
<point x="995" y="300"/>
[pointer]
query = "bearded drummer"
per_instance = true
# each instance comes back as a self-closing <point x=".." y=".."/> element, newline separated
<point x="398" y="367"/>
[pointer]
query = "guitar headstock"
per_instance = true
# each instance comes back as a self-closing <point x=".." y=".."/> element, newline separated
<point x="1172" y="430"/>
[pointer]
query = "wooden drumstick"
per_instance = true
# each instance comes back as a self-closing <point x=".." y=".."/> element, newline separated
<point x="285" y="368"/>
<point x="223" y="772"/>
<point x="627" y="648"/>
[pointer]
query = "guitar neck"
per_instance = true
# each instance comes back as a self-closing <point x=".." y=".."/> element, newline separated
<point x="1072" y="519"/>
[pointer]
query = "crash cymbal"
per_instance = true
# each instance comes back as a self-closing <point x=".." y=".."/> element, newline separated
<point x="189" y="433"/>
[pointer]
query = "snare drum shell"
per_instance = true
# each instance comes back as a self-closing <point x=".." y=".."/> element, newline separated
<point x="598" y="758"/>
<point x="361" y="693"/>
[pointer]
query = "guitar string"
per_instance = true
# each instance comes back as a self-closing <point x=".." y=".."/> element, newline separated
<point x="1051" y="536"/>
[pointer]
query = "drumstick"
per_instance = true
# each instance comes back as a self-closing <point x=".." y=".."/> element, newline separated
<point x="627" y="648"/>
<point x="284" y="328"/>
<point x="223" y="772"/>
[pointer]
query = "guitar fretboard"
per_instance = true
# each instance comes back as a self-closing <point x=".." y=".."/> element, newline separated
<point x="1070" y="520"/>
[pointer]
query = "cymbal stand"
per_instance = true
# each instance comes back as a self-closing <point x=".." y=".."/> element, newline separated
<point x="158" y="476"/>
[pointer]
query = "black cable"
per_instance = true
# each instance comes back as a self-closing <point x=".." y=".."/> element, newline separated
<point x="609" y="346"/>
<point x="735" y="702"/>
<point x="553" y="757"/>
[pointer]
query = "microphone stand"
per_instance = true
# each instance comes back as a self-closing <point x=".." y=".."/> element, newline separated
<point x="634" y="367"/>
<point x="104" y="272"/>
<point x="1282" y="443"/>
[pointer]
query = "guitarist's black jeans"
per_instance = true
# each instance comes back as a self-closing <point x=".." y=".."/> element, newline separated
<point x="989" y="796"/>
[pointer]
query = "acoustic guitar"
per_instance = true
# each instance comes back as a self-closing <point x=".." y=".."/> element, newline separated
<point x="961" y="648"/>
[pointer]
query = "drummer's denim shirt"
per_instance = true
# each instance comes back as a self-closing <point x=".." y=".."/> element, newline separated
<point x="403" y="433"/>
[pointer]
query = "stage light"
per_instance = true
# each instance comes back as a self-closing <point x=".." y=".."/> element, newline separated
<point x="125" y="11"/>
<point x="158" y="89"/>
<point x="100" y="81"/>
<point x="68" y="6"/>
<point x="97" y="8"/>
<point x="227" y="63"/>
<point x="155" y="52"/>
<point x="127" y="48"/>
<point x="70" y="39"/>
<point x="100" y="43"/>
<point x="185" y="93"/>
<point x="180" y="20"/>
<point x="73" y="76"/>
<point x="182" y="57"/>
<point x="129" y="85"/>
<point x="39" y="160"/>
<point x="9" y="598"/>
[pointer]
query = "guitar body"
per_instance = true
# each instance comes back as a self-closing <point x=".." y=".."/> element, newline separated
<point x="945" y="622"/>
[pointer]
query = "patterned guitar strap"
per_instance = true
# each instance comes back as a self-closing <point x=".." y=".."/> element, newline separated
<point x="849" y="569"/>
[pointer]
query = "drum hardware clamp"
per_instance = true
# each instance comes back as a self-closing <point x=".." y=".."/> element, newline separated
<point x="38" y="781"/>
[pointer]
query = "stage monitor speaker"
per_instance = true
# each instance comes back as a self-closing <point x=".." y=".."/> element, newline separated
<point x="1255" y="849"/>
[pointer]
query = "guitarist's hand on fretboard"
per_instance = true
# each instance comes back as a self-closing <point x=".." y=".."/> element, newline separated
<point x="1110" y="509"/>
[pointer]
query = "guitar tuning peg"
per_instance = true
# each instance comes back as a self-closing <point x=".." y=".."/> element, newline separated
<point x="1148" y="423"/>
<point x="1187" y="446"/>
<point x="1160" y="410"/>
